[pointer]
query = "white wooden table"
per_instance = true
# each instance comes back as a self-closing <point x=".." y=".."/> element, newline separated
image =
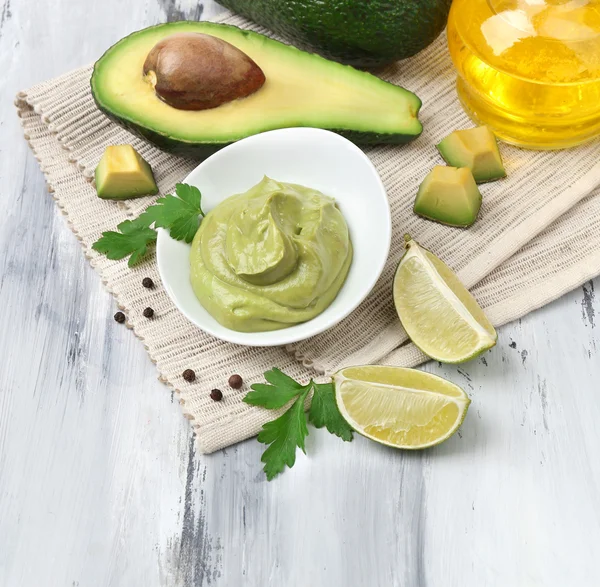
<point x="99" y="482"/>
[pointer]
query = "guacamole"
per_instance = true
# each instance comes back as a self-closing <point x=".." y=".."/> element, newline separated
<point x="270" y="258"/>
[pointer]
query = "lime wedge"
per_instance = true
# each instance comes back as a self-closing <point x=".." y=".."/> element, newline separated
<point x="403" y="408"/>
<point x="438" y="313"/>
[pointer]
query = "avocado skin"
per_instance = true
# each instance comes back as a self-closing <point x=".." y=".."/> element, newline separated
<point x="203" y="150"/>
<point x="163" y="142"/>
<point x="362" y="33"/>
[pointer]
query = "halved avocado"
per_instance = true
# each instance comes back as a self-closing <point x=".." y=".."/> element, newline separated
<point x="301" y="89"/>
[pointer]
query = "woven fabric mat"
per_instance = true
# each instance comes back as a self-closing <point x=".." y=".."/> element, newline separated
<point x="538" y="236"/>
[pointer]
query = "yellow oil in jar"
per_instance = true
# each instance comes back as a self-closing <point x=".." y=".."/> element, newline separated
<point x="530" y="69"/>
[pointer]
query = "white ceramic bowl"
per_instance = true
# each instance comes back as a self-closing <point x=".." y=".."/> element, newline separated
<point x="311" y="157"/>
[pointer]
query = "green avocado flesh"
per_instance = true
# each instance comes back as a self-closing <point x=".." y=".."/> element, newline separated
<point x="269" y="258"/>
<point x="123" y="174"/>
<point x="450" y="196"/>
<point x="363" y="33"/>
<point x="301" y="89"/>
<point x="477" y="149"/>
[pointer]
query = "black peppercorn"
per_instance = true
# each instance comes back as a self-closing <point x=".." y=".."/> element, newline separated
<point x="147" y="282"/>
<point x="189" y="375"/>
<point x="148" y="312"/>
<point x="216" y="395"/>
<point x="235" y="382"/>
<point x="119" y="317"/>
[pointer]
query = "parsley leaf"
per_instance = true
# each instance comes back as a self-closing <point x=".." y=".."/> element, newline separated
<point x="284" y="435"/>
<point x="325" y="413"/>
<point x="288" y="432"/>
<point x="278" y="378"/>
<point x="282" y="389"/>
<point x="180" y="214"/>
<point x="132" y="239"/>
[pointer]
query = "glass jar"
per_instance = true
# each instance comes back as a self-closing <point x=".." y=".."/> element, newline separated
<point x="530" y="69"/>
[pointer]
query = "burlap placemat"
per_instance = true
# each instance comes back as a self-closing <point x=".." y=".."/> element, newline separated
<point x="538" y="236"/>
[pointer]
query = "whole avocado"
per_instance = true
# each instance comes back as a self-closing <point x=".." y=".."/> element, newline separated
<point x="362" y="33"/>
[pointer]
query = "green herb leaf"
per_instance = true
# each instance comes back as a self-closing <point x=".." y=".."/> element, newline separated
<point x="190" y="194"/>
<point x="282" y="390"/>
<point x="289" y="430"/>
<point x="179" y="214"/>
<point x="270" y="397"/>
<point x="132" y="239"/>
<point x="324" y="412"/>
<point x="278" y="378"/>
<point x="283" y="435"/>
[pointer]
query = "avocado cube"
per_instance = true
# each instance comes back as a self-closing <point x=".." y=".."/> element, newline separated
<point x="123" y="174"/>
<point x="450" y="196"/>
<point x="475" y="148"/>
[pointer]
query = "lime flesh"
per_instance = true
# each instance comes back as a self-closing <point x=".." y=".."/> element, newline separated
<point x="438" y="313"/>
<point x="402" y="408"/>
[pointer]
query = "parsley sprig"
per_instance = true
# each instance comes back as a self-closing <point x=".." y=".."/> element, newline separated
<point x="290" y="430"/>
<point x="179" y="214"/>
<point x="132" y="239"/>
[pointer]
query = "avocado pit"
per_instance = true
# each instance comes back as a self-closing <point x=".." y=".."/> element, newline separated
<point x="194" y="71"/>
